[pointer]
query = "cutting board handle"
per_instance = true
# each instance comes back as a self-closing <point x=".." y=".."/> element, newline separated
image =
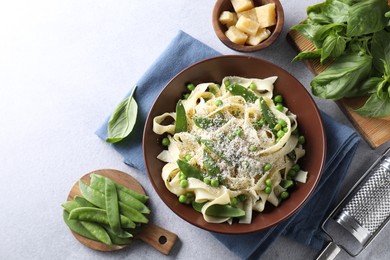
<point x="158" y="237"/>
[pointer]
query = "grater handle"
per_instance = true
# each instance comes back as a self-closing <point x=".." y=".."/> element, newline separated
<point x="329" y="252"/>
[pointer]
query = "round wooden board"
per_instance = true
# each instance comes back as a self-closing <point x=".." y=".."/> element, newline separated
<point x="159" y="238"/>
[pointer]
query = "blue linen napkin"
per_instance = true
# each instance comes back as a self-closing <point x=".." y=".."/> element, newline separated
<point x="302" y="226"/>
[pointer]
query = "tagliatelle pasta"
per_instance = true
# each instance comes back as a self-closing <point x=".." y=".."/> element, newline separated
<point x="240" y="149"/>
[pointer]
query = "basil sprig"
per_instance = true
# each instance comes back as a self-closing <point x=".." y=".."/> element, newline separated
<point x="122" y="120"/>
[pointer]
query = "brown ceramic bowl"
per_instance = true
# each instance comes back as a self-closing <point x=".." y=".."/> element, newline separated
<point x="297" y="99"/>
<point x="220" y="29"/>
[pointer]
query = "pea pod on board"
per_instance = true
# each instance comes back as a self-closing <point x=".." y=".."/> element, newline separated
<point x="97" y="231"/>
<point x="75" y="225"/>
<point x="181" y="118"/>
<point x="132" y="214"/>
<point x="238" y="90"/>
<point x="98" y="216"/>
<point x="115" y="239"/>
<point x="112" y="209"/>
<point x="98" y="184"/>
<point x="141" y="197"/>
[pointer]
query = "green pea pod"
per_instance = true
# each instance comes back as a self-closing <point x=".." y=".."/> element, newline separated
<point x="206" y="123"/>
<point x="287" y="183"/>
<point x="93" y="196"/>
<point x="76" y="226"/>
<point x="189" y="170"/>
<point x="181" y="118"/>
<point x="224" y="211"/>
<point x="132" y="214"/>
<point x="141" y="197"/>
<point x="198" y="206"/>
<point x="210" y="146"/>
<point x="267" y="113"/>
<point x="238" y="90"/>
<point x="98" y="183"/>
<point x="112" y="210"/>
<point x="210" y="164"/>
<point x="97" y="231"/>
<point x="98" y="216"/>
<point x="115" y="239"/>
<point x="83" y="202"/>
<point x="70" y="205"/>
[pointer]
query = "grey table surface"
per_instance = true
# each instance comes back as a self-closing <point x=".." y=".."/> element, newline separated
<point x="64" y="65"/>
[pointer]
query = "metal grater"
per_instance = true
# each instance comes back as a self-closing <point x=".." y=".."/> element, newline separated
<point x="365" y="210"/>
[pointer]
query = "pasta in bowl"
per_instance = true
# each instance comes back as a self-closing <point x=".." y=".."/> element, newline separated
<point x="231" y="150"/>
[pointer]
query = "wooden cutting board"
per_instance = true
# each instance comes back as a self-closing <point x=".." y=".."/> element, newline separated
<point x="376" y="131"/>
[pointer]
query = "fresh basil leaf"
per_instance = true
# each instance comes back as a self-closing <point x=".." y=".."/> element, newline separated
<point x="366" y="17"/>
<point x="122" y="120"/>
<point x="380" y="50"/>
<point x="307" y="30"/>
<point x="368" y="86"/>
<point x="341" y="76"/>
<point x="375" y="106"/>
<point x="333" y="46"/>
<point x="326" y="30"/>
<point x="308" y="55"/>
<point x="331" y="11"/>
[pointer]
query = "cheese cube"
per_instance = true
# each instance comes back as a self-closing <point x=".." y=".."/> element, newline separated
<point x="251" y="14"/>
<point x="266" y="15"/>
<point x="242" y="5"/>
<point x="236" y="35"/>
<point x="260" y="36"/>
<point x="247" y="25"/>
<point x="228" y="18"/>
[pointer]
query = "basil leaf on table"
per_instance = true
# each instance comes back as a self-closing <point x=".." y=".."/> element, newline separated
<point x="376" y="106"/>
<point x="366" y="17"/>
<point x="380" y="50"/>
<point x="341" y="76"/>
<point x="331" y="11"/>
<point x="122" y="120"/>
<point x="333" y="47"/>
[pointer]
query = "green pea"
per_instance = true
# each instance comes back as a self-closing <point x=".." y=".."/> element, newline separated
<point x="253" y="86"/>
<point x="165" y="141"/>
<point x="213" y="91"/>
<point x="301" y="139"/>
<point x="186" y="96"/>
<point x="214" y="183"/>
<point x="226" y="82"/>
<point x="187" y="157"/>
<point x="184" y="183"/>
<point x="268" y="190"/>
<point x="190" y="87"/>
<point x="252" y="148"/>
<point x="296" y="167"/>
<point x="218" y="102"/>
<point x="280" y="133"/>
<point x="183" y="198"/>
<point x="233" y="201"/>
<point x="277" y="127"/>
<point x="285" y="129"/>
<point x="277" y="139"/>
<point x="207" y="180"/>
<point x="261" y="122"/>
<point x="282" y="122"/>
<point x="268" y="182"/>
<point x="239" y="132"/>
<point x="291" y="173"/>
<point x="279" y="107"/>
<point x="182" y="176"/>
<point x="284" y="195"/>
<point x="278" y="99"/>
<point x="267" y="167"/>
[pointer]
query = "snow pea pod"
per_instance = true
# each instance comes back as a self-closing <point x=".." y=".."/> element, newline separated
<point x="77" y="227"/>
<point x="141" y="197"/>
<point x="97" y="231"/>
<point x="133" y="214"/>
<point x="189" y="170"/>
<point x="210" y="146"/>
<point x="112" y="210"/>
<point x="206" y="123"/>
<point x="217" y="210"/>
<point x="98" y="215"/>
<point x="99" y="185"/>
<point x="239" y="90"/>
<point x="70" y="205"/>
<point x="93" y="196"/>
<point x="210" y="164"/>
<point x="83" y="202"/>
<point x="181" y="118"/>
<point x="115" y="239"/>
<point x="198" y="206"/>
<point x="267" y="113"/>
